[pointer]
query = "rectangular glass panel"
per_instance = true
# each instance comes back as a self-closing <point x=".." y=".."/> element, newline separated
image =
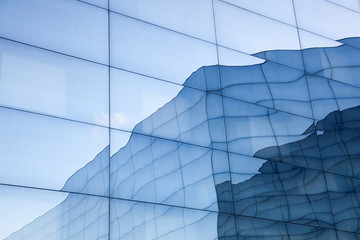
<point x="51" y="153"/>
<point x="318" y="17"/>
<point x="100" y="3"/>
<point x="132" y="220"/>
<point x="251" y="33"/>
<point x="53" y="84"/>
<point x="135" y="97"/>
<point x="190" y="17"/>
<point x="351" y="4"/>
<point x="339" y="146"/>
<point x="331" y="59"/>
<point x="144" y="48"/>
<point x="38" y="214"/>
<point x="161" y="171"/>
<point x="344" y="197"/>
<point x="281" y="10"/>
<point x="281" y="192"/>
<point x="70" y="27"/>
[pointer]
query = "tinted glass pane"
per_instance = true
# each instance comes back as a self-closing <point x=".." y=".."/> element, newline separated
<point x="156" y="52"/>
<point x="70" y="27"/>
<point x="52" y="84"/>
<point x="38" y="214"/>
<point x="46" y="152"/>
<point x="183" y="16"/>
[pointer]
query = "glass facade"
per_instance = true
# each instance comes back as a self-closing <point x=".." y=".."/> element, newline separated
<point x="182" y="119"/>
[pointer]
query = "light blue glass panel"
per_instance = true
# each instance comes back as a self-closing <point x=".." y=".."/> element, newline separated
<point x="251" y="33"/>
<point x="100" y="3"/>
<point x="37" y="214"/>
<point x="70" y="27"/>
<point x="131" y="220"/>
<point x="45" y="152"/>
<point x="156" y="52"/>
<point x="350" y="4"/>
<point x="135" y="97"/>
<point x="52" y="84"/>
<point x="281" y="10"/>
<point x="190" y="17"/>
<point x="160" y="171"/>
<point x="318" y="17"/>
<point x="229" y="57"/>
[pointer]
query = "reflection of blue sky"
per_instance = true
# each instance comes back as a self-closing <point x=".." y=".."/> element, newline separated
<point x="20" y="206"/>
<point x="49" y="83"/>
<point x="135" y="97"/>
<point x="179" y="15"/>
<point x="157" y="52"/>
<point x="45" y="152"/>
<point x="69" y="27"/>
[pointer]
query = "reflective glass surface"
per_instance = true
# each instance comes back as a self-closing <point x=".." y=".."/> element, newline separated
<point x="40" y="81"/>
<point x="202" y="119"/>
<point x="45" y="152"/>
<point x="69" y="26"/>
<point x="178" y="15"/>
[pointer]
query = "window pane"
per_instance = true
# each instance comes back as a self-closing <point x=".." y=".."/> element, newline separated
<point x="52" y="84"/>
<point x="70" y="27"/>
<point x="143" y="48"/>
<point x="45" y="152"/>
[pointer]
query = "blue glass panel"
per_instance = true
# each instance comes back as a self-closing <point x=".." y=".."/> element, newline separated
<point x="242" y="30"/>
<point x="318" y="17"/>
<point x="281" y="10"/>
<point x="344" y="197"/>
<point x="160" y="171"/>
<point x="183" y="16"/>
<point x="333" y="60"/>
<point x="350" y="4"/>
<point x="52" y="84"/>
<point x="328" y="96"/>
<point x="185" y="119"/>
<point x="135" y="97"/>
<point x="45" y="152"/>
<point x="266" y="189"/>
<point x="252" y="228"/>
<point x="339" y="147"/>
<point x="157" y="52"/>
<point x="100" y="3"/>
<point x="70" y="27"/>
<point x="38" y="214"/>
<point x="131" y="220"/>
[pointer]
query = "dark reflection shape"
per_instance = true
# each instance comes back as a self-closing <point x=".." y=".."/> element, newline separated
<point x="299" y="195"/>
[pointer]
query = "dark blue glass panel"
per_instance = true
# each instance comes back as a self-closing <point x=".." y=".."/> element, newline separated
<point x="133" y="220"/>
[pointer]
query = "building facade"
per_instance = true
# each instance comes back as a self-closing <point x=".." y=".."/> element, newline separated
<point x="202" y="119"/>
